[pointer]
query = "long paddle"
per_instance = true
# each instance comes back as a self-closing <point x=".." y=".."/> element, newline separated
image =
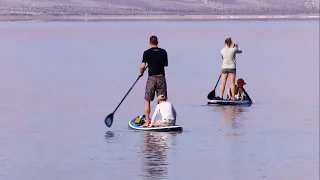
<point x="109" y="119"/>
<point x="212" y="94"/>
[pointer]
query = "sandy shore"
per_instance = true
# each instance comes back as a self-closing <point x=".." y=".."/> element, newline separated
<point x="156" y="17"/>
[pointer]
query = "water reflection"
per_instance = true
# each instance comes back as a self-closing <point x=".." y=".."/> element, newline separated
<point x="234" y="117"/>
<point x="109" y="136"/>
<point x="155" y="149"/>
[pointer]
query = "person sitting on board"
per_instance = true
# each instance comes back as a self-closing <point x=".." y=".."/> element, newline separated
<point x="239" y="94"/>
<point x="167" y="112"/>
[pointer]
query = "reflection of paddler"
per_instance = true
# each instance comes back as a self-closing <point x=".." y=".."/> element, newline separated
<point x="155" y="146"/>
<point x="227" y="114"/>
<point x="157" y="140"/>
<point x="230" y="114"/>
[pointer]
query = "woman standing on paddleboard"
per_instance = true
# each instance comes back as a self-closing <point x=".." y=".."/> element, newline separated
<point x="228" y="54"/>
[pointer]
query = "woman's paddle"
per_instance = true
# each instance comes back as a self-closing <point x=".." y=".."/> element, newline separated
<point x="212" y="94"/>
<point x="109" y="119"/>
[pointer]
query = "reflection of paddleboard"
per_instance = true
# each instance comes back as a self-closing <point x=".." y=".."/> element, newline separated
<point x="228" y="102"/>
<point x="137" y="123"/>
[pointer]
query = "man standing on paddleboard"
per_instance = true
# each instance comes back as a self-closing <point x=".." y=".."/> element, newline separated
<point x="156" y="59"/>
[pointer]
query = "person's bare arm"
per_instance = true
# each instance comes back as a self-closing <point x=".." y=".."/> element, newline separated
<point x="240" y="93"/>
<point x="142" y="68"/>
<point x="236" y="47"/>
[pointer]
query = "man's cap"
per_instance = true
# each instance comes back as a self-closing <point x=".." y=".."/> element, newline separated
<point x="162" y="97"/>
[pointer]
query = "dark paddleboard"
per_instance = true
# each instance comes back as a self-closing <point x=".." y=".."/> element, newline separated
<point x="137" y="123"/>
<point x="228" y="102"/>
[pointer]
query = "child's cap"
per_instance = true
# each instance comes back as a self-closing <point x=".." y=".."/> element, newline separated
<point x="161" y="97"/>
<point x="240" y="81"/>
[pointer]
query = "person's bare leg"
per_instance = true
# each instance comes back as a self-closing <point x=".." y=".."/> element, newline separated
<point x="164" y="124"/>
<point x="233" y="86"/>
<point x="156" y="123"/>
<point x="147" y="113"/>
<point x="224" y="77"/>
<point x="229" y="93"/>
<point x="240" y="93"/>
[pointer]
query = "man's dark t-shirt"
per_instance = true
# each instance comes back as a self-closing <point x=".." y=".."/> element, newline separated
<point x="157" y="59"/>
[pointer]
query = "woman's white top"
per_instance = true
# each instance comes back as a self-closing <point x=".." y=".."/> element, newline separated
<point x="229" y="57"/>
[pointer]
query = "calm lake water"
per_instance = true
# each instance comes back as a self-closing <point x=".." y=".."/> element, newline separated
<point x="60" y="79"/>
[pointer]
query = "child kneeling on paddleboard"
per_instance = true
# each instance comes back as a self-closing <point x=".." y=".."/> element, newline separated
<point x="239" y="95"/>
<point x="167" y="111"/>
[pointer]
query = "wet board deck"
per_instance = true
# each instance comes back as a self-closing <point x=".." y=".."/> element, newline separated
<point x="227" y="102"/>
<point x="133" y="125"/>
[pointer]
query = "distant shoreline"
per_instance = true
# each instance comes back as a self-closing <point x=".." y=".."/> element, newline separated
<point x="156" y="17"/>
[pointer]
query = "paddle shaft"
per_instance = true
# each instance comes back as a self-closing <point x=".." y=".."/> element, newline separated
<point x="212" y="94"/>
<point x="128" y="92"/>
<point x="217" y="83"/>
<point x="126" y="95"/>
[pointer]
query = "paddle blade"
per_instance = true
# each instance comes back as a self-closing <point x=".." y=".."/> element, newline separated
<point x="212" y="95"/>
<point x="109" y="120"/>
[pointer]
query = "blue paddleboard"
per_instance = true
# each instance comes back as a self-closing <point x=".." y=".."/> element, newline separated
<point x="137" y="123"/>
